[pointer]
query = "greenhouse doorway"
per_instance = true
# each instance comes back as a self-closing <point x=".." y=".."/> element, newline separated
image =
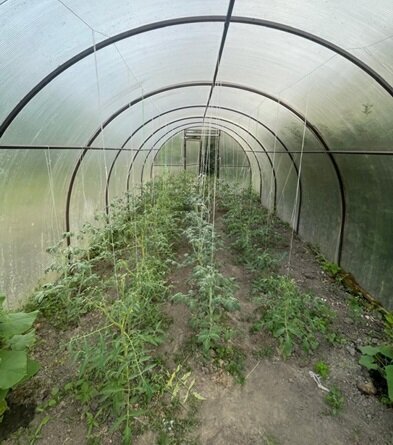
<point x="207" y="144"/>
<point x="206" y="151"/>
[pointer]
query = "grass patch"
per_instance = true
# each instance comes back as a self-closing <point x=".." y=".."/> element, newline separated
<point x="322" y="369"/>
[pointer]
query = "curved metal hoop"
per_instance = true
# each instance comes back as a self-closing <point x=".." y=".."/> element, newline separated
<point x="184" y="21"/>
<point x="212" y="126"/>
<point x="213" y="107"/>
<point x="299" y="115"/>
<point x="221" y="120"/>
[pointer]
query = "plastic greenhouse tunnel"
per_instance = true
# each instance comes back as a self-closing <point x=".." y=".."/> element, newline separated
<point x="196" y="222"/>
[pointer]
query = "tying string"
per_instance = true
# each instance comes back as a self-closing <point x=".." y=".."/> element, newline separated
<point x="56" y="227"/>
<point x="100" y="116"/>
<point x="296" y="200"/>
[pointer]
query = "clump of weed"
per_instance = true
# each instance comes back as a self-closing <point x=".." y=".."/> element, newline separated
<point x="335" y="401"/>
<point x="379" y="361"/>
<point x="356" y="307"/>
<point x="322" y="369"/>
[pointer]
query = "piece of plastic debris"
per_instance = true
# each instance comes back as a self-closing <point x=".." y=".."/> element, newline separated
<point x="317" y="380"/>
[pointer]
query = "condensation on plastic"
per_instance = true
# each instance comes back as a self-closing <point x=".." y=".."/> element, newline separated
<point x="88" y="195"/>
<point x="72" y="106"/>
<point x="362" y="29"/>
<point x="33" y="187"/>
<point x="42" y="35"/>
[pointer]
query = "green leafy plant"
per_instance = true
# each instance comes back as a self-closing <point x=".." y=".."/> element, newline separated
<point x="388" y="316"/>
<point x="356" y="308"/>
<point x="332" y="269"/>
<point x="212" y="293"/>
<point x="121" y="276"/>
<point x="117" y="370"/>
<point x="16" y="338"/>
<point x="294" y="318"/>
<point x="335" y="400"/>
<point x="322" y="368"/>
<point x="380" y="359"/>
<point x="249" y="226"/>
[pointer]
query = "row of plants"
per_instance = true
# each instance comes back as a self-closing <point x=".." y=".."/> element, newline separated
<point x="212" y="294"/>
<point x="120" y="276"/>
<point x="296" y="319"/>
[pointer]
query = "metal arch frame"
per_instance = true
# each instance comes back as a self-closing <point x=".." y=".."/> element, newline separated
<point x="193" y="117"/>
<point x="231" y="123"/>
<point x="220" y="52"/>
<point x="185" y="126"/>
<point x="297" y="113"/>
<point x="184" y="21"/>
<point x="213" y="126"/>
<point x="228" y="85"/>
<point x="210" y="19"/>
<point x="213" y="107"/>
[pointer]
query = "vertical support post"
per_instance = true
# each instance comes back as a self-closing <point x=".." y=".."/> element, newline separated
<point x="184" y="151"/>
<point x="218" y="155"/>
<point x="200" y="156"/>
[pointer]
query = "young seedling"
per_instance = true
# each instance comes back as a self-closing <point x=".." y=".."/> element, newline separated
<point x="335" y="400"/>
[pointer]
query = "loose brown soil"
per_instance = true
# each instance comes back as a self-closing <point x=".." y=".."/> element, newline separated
<point x="279" y="403"/>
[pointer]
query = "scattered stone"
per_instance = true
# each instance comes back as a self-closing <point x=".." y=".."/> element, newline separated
<point x="351" y="350"/>
<point x="348" y="320"/>
<point x="367" y="388"/>
<point x="308" y="275"/>
<point x="374" y="341"/>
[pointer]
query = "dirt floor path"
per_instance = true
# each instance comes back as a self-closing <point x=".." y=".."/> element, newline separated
<point x="279" y="403"/>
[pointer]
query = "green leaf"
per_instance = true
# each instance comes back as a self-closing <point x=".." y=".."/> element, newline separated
<point x="279" y="331"/>
<point x="389" y="318"/>
<point x="3" y="403"/>
<point x="198" y="396"/>
<point x="17" y="323"/>
<point x="387" y="351"/>
<point x="32" y="368"/>
<point x="3" y="408"/>
<point x="370" y="350"/>
<point x="13" y="368"/>
<point x="127" y="435"/>
<point x="368" y="362"/>
<point x="287" y="347"/>
<point x="389" y="379"/>
<point x="22" y="341"/>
